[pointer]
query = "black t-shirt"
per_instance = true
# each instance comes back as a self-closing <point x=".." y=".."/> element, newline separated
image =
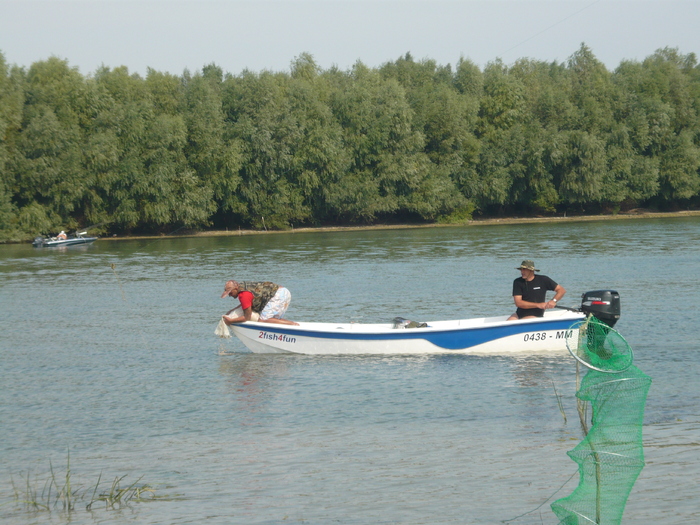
<point x="534" y="291"/>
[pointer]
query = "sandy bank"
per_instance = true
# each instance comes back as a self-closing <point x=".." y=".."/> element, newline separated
<point x="634" y="214"/>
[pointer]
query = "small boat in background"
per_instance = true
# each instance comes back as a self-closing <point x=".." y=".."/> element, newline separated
<point x="51" y="242"/>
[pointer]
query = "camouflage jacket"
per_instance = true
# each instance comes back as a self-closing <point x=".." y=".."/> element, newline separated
<point x="262" y="292"/>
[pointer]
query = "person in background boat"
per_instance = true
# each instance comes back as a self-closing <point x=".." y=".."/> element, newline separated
<point x="261" y="301"/>
<point x="530" y="292"/>
<point x="62" y="236"/>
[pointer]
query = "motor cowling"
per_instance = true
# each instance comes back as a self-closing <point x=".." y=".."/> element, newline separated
<point x="604" y="305"/>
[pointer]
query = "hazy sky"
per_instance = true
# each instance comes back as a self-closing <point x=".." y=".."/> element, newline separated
<point x="172" y="36"/>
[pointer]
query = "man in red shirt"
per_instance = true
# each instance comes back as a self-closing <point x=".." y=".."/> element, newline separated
<point x="261" y="301"/>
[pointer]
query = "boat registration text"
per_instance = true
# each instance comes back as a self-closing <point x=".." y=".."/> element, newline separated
<point x="541" y="336"/>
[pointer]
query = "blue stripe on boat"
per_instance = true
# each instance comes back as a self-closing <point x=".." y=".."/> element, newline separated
<point x="449" y="339"/>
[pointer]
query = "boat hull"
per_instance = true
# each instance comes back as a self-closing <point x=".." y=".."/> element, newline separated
<point x="468" y="336"/>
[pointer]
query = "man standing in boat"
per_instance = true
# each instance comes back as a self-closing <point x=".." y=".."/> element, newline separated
<point x="261" y="301"/>
<point x="530" y="292"/>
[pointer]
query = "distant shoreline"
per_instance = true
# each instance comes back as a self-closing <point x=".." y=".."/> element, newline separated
<point x="633" y="214"/>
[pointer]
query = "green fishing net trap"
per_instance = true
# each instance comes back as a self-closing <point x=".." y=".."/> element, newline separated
<point x="599" y="346"/>
<point x="611" y="455"/>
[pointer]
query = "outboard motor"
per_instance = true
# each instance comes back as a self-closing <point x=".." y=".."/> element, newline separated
<point x="604" y="305"/>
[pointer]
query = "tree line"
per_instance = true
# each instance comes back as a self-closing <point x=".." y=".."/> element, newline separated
<point x="409" y="141"/>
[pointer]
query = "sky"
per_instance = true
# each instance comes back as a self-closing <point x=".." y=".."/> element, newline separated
<point x="177" y="35"/>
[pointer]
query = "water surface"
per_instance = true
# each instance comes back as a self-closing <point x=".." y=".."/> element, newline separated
<point x="108" y="352"/>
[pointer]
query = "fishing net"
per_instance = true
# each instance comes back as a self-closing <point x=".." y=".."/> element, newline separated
<point x="611" y="456"/>
<point x="598" y="346"/>
<point x="222" y="329"/>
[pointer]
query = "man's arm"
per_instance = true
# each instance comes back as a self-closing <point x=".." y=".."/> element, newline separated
<point x="559" y="292"/>
<point x="247" y="313"/>
<point x="520" y="303"/>
<point x="246" y="300"/>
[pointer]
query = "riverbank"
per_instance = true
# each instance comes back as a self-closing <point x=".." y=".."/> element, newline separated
<point x="632" y="214"/>
<point x="181" y="232"/>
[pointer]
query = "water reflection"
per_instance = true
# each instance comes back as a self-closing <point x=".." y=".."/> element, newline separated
<point x="248" y="380"/>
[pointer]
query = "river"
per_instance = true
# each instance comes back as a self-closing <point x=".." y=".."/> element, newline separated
<point x="109" y="361"/>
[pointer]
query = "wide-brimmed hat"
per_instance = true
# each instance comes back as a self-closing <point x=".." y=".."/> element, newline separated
<point x="527" y="265"/>
<point x="230" y="285"/>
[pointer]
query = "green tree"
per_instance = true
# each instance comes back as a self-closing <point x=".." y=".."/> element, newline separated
<point x="149" y="183"/>
<point x="390" y="174"/>
<point x="11" y="102"/>
<point x="579" y="162"/>
<point x="679" y="169"/>
<point x="533" y="189"/>
<point x="447" y="120"/>
<point x="503" y="103"/>
<point x="320" y="159"/>
<point x="592" y="92"/>
<point x="213" y="155"/>
<point x="468" y="79"/>
<point x="49" y="173"/>
<point x="258" y="107"/>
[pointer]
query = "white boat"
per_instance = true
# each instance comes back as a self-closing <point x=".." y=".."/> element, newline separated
<point x="50" y="242"/>
<point x="485" y="335"/>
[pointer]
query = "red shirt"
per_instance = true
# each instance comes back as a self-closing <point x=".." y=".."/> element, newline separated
<point x="246" y="299"/>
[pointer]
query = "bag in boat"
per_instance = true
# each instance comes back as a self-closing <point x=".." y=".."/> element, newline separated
<point x="401" y="323"/>
<point x="222" y="329"/>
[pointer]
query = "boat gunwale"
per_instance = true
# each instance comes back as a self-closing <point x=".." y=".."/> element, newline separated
<point x="387" y="331"/>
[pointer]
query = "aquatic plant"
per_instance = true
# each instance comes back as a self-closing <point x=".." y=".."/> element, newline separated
<point x="61" y="492"/>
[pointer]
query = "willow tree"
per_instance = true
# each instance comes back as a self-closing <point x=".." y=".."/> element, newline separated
<point x="213" y="155"/>
<point x="50" y="186"/>
<point x="662" y="96"/>
<point x="499" y="128"/>
<point x="320" y="160"/>
<point x="643" y="125"/>
<point x="672" y="84"/>
<point x="148" y="182"/>
<point x="288" y="144"/>
<point x="446" y="117"/>
<point x="580" y="158"/>
<point x="580" y="165"/>
<point x="389" y="172"/>
<point x="548" y="112"/>
<point x="680" y="168"/>
<point x="592" y="91"/>
<point x="11" y="102"/>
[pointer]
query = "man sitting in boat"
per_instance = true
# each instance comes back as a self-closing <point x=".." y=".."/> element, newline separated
<point x="530" y="292"/>
<point x="261" y="301"/>
<point x="62" y="236"/>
